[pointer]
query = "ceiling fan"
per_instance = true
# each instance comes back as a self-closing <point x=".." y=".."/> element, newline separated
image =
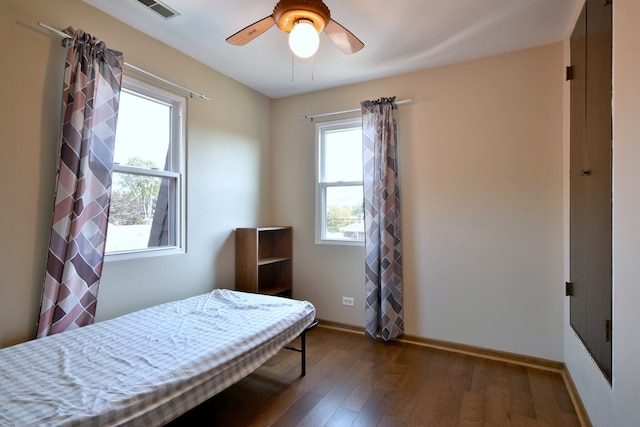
<point x="303" y="20"/>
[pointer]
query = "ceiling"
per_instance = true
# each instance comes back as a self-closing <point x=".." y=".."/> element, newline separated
<point x="399" y="36"/>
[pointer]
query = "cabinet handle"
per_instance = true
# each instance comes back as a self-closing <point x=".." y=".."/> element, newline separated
<point x="584" y="172"/>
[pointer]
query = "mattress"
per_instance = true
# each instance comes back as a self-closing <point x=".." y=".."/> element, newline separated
<point x="147" y="367"/>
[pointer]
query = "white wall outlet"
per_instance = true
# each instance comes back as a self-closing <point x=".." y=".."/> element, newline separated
<point x="348" y="301"/>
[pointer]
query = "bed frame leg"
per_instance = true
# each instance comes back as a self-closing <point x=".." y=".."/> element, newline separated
<point x="303" y="348"/>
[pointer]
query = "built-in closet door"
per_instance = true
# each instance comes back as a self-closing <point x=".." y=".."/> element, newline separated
<point x="590" y="182"/>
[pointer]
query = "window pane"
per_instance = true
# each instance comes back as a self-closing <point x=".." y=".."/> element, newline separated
<point x="343" y="155"/>
<point x="344" y="215"/>
<point x="139" y="215"/>
<point x="143" y="133"/>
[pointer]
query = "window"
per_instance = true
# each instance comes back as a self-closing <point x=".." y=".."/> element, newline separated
<point x="339" y="193"/>
<point x="146" y="215"/>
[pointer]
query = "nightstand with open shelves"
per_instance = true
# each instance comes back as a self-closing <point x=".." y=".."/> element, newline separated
<point x="264" y="260"/>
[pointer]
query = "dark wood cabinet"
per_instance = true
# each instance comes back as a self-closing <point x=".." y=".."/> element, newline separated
<point x="264" y="260"/>
<point x="591" y="182"/>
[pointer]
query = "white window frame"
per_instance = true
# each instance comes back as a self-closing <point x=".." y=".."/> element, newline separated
<point x="322" y="185"/>
<point x="178" y="104"/>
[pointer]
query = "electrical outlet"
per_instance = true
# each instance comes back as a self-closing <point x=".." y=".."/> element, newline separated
<point x="348" y="301"/>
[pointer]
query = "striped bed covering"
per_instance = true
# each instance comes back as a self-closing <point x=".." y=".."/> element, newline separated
<point x="147" y="367"/>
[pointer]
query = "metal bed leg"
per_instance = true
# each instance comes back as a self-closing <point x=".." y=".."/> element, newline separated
<point x="303" y="348"/>
<point x="303" y="345"/>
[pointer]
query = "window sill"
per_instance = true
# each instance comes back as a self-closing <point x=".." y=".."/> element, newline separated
<point x="338" y="242"/>
<point x="146" y="253"/>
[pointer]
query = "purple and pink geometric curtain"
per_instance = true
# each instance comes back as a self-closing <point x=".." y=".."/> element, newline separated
<point x="91" y="93"/>
<point x="384" y="312"/>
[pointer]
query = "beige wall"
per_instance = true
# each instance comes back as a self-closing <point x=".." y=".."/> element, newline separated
<point x="228" y="165"/>
<point x="482" y="201"/>
<point x="617" y="405"/>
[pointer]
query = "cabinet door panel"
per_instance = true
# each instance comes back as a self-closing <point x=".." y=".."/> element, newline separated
<point x="578" y="188"/>
<point x="598" y="113"/>
<point x="590" y="182"/>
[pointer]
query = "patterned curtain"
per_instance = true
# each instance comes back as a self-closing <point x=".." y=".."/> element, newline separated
<point x="91" y="93"/>
<point x="159" y="234"/>
<point x="384" y="313"/>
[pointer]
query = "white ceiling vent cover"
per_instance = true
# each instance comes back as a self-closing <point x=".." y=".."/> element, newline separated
<point x="160" y="8"/>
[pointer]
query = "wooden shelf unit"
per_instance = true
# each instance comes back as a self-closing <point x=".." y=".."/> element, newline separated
<point x="264" y="260"/>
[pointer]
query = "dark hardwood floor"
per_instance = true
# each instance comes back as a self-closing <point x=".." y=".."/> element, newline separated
<point x="355" y="381"/>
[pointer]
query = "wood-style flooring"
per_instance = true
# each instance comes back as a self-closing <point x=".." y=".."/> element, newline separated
<point x="355" y="381"/>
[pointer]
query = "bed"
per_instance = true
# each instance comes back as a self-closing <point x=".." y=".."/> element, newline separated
<point x="147" y="367"/>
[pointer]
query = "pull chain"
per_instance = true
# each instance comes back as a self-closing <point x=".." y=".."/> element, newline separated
<point x="313" y="68"/>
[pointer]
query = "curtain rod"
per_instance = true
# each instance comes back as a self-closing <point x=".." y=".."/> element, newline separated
<point x="353" y="110"/>
<point x="141" y="70"/>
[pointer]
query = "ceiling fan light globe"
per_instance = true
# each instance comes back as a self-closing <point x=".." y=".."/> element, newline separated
<point x="304" y="39"/>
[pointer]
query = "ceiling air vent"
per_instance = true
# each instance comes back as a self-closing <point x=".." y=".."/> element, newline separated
<point x="160" y="8"/>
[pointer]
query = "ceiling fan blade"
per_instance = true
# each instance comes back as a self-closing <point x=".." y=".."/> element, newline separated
<point x="249" y="33"/>
<point x="343" y="38"/>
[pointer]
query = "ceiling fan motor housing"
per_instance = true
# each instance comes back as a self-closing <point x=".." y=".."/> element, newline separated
<point x="288" y="12"/>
